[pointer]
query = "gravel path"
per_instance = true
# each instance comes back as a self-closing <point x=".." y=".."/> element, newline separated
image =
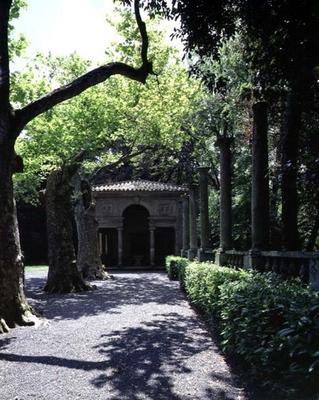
<point x="133" y="338"/>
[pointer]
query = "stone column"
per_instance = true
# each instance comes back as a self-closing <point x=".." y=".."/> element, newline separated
<point x="260" y="184"/>
<point x="192" y="251"/>
<point x="260" y="179"/>
<point x="152" y="245"/>
<point x="120" y="246"/>
<point x="100" y="243"/>
<point x="225" y="202"/>
<point x="204" y="253"/>
<point x="185" y="226"/>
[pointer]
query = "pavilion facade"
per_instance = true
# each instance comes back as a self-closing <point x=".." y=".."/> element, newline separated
<point x="139" y="222"/>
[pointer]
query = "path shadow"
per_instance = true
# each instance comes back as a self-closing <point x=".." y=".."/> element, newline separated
<point x="5" y="342"/>
<point x="144" y="361"/>
<point x="148" y="362"/>
<point x="109" y="297"/>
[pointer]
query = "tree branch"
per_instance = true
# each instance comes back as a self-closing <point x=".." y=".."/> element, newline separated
<point x="142" y="28"/>
<point x="92" y="78"/>
<point x="122" y="159"/>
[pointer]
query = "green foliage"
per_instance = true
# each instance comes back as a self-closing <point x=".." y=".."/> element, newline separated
<point x="17" y="45"/>
<point x="271" y="325"/>
<point x="258" y="315"/>
<point x="173" y="265"/>
<point x="36" y="268"/>
<point x="110" y="120"/>
<point x="203" y="281"/>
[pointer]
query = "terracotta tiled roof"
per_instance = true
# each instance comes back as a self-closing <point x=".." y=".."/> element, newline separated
<point x="139" y="186"/>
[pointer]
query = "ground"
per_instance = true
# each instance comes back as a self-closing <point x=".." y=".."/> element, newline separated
<point x="135" y="337"/>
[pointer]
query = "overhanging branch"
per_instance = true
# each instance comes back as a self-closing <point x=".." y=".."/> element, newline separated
<point x="92" y="78"/>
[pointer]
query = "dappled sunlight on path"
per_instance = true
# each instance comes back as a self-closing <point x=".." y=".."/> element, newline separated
<point x="133" y="338"/>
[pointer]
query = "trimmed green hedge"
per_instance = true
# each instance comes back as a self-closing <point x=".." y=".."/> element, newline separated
<point x="271" y="324"/>
<point x="173" y="266"/>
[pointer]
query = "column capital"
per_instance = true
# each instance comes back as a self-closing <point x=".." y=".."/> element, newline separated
<point x="260" y="105"/>
<point x="224" y="141"/>
<point x="203" y="169"/>
<point x="192" y="188"/>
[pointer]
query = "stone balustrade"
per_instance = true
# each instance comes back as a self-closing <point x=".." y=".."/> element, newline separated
<point x="289" y="264"/>
<point x="234" y="258"/>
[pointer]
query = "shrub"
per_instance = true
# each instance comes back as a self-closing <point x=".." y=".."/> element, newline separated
<point x="270" y="324"/>
<point x="257" y="315"/>
<point x="202" y="282"/>
<point x="173" y="265"/>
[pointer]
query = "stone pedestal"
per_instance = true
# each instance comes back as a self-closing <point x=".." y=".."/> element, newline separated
<point x="205" y="255"/>
<point x="252" y="260"/>
<point x="314" y="273"/>
<point x="220" y="258"/>
<point x="192" y="251"/>
<point x="192" y="254"/>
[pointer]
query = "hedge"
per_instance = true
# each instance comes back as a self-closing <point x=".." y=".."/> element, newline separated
<point x="173" y="266"/>
<point x="270" y="324"/>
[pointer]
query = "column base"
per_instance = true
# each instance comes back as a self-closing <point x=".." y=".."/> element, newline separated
<point x="205" y="255"/>
<point x="191" y="254"/>
<point x="252" y="259"/>
<point x="314" y="274"/>
<point x="120" y="259"/>
<point x="220" y="258"/>
<point x="184" y="253"/>
<point x="152" y="257"/>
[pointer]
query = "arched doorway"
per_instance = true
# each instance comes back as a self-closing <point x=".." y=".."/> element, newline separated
<point x="136" y="240"/>
<point x="164" y="244"/>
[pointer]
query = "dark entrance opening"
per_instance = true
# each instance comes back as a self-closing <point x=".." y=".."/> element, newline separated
<point x="164" y="244"/>
<point x="136" y="240"/>
<point x="109" y="244"/>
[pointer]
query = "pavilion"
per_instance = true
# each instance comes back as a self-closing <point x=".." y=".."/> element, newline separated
<point x="139" y="222"/>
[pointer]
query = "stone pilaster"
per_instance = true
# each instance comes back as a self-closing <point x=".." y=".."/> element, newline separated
<point x="185" y="226"/>
<point x="120" y="246"/>
<point x="100" y="243"/>
<point x="152" y="245"/>
<point x="192" y="251"/>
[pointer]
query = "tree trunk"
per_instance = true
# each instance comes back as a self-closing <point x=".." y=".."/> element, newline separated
<point x="63" y="276"/>
<point x="13" y="306"/>
<point x="88" y="258"/>
<point x="314" y="231"/>
<point x="289" y="168"/>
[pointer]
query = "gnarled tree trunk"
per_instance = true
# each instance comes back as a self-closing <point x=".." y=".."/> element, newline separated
<point x="13" y="306"/>
<point x="63" y="276"/>
<point x="88" y="258"/>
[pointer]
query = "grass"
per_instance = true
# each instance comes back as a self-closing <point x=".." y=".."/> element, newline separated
<point x="36" y="268"/>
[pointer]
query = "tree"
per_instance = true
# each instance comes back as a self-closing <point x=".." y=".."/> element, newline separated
<point x="88" y="261"/>
<point x="63" y="276"/>
<point x="113" y="121"/>
<point x="281" y="47"/>
<point x="13" y="305"/>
